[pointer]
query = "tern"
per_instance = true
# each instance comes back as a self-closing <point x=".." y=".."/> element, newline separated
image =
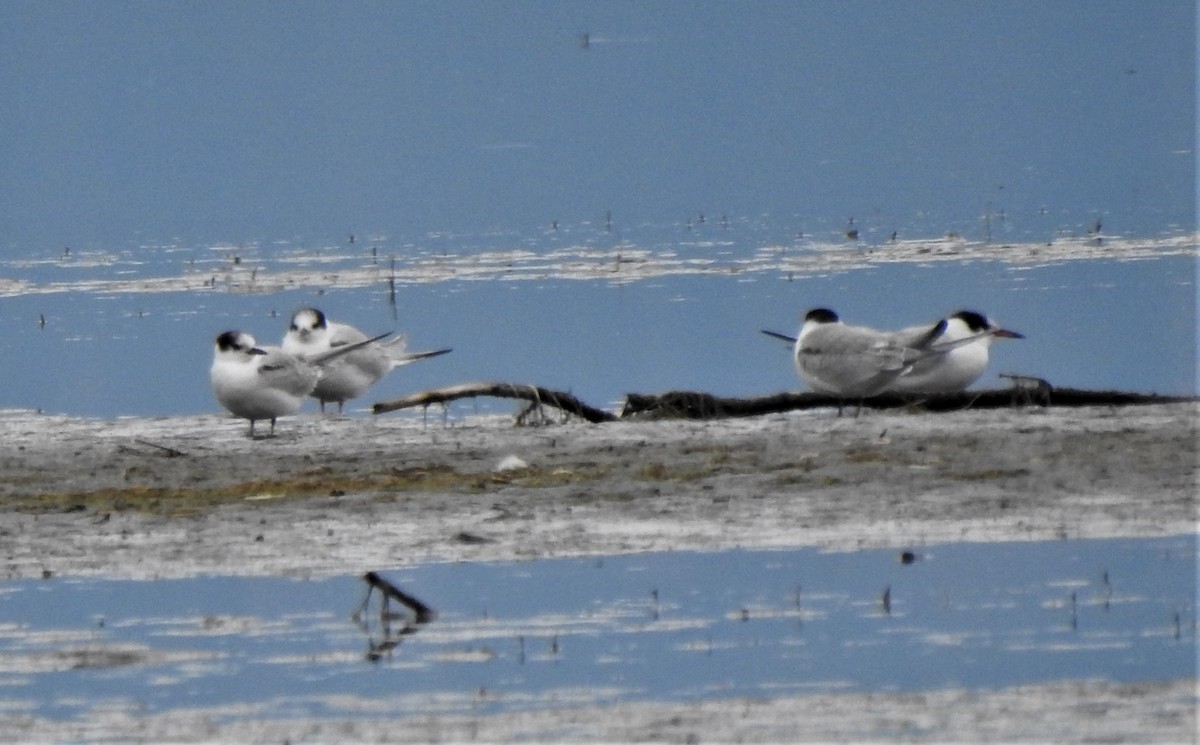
<point x="254" y="382"/>
<point x="858" y="362"/>
<point x="959" y="366"/>
<point x="311" y="333"/>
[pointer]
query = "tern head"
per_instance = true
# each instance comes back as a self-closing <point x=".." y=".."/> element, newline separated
<point x="821" y="315"/>
<point x="308" y="323"/>
<point x="978" y="323"/>
<point x="237" y="343"/>
<point x="815" y="319"/>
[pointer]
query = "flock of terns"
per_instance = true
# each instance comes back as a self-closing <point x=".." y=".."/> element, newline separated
<point x="332" y="362"/>
<point x="335" y="362"/>
<point x="857" y="362"/>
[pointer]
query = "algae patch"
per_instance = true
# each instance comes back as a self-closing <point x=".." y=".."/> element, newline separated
<point x="183" y="501"/>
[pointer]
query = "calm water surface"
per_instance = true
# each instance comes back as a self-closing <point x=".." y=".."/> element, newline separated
<point x="667" y="626"/>
<point x="130" y="333"/>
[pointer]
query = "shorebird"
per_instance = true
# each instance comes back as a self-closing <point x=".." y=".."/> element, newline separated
<point x="254" y="382"/>
<point x="311" y="333"/>
<point x="959" y="366"/>
<point x="858" y="362"/>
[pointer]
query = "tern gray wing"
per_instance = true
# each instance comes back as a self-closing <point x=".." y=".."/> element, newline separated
<point x="394" y="352"/>
<point x="920" y="337"/>
<point x="341" y="335"/>
<point x="404" y="358"/>
<point x="850" y="360"/>
<point x="344" y="349"/>
<point x="868" y="347"/>
<point x="288" y="373"/>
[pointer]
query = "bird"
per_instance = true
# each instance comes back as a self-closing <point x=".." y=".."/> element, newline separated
<point x="959" y="366"/>
<point x="858" y="362"/>
<point x="854" y="361"/>
<point x="254" y="382"/>
<point x="311" y="333"/>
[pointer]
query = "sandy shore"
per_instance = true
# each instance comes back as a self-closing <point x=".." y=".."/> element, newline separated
<point x="185" y="496"/>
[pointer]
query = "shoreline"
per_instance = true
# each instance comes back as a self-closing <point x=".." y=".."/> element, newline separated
<point x="193" y="496"/>
<point x="183" y="496"/>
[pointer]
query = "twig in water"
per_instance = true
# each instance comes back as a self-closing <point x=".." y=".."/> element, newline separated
<point x="422" y="613"/>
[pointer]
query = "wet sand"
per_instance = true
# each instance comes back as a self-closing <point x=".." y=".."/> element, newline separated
<point x="184" y="496"/>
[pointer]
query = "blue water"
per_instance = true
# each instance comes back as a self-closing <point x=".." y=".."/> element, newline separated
<point x="141" y="348"/>
<point x="668" y="626"/>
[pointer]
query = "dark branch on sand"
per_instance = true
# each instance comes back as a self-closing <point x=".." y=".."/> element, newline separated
<point x="1025" y="391"/>
<point x="699" y="405"/>
<point x="535" y="395"/>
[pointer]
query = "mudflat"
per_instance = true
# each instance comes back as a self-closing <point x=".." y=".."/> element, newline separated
<point x="184" y="496"/>
<point x="180" y="496"/>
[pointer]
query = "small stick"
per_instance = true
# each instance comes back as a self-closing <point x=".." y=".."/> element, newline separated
<point x="424" y="614"/>
<point x="531" y="393"/>
<point x="170" y="452"/>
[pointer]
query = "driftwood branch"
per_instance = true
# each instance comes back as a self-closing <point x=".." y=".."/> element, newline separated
<point x="535" y="395"/>
<point x="1025" y="391"/>
<point x="699" y="405"/>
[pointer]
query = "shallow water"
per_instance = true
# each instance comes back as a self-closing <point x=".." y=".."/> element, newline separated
<point x="668" y="626"/>
<point x="129" y="332"/>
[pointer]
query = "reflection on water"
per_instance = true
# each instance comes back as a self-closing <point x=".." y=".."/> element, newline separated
<point x="674" y="626"/>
